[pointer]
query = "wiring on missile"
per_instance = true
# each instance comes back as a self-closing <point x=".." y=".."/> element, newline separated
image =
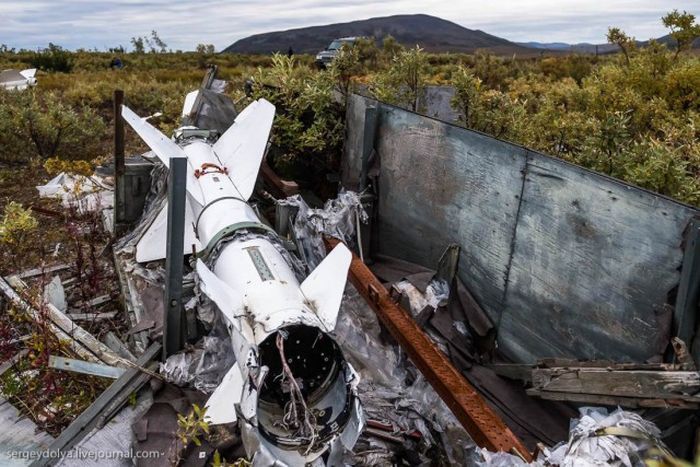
<point x="305" y="422"/>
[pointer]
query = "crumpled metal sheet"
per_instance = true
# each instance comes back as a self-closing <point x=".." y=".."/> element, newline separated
<point x="86" y="194"/>
<point x="203" y="366"/>
<point x="392" y="390"/>
<point x="436" y="294"/>
<point x="338" y="218"/>
<point x="585" y="447"/>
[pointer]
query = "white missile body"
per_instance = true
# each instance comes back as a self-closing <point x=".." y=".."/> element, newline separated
<point x="291" y="390"/>
<point x="18" y="80"/>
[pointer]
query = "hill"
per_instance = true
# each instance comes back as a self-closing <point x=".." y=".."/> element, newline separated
<point x="431" y="33"/>
<point x="588" y="48"/>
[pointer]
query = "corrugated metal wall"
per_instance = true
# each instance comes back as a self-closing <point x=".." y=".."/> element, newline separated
<point x="565" y="261"/>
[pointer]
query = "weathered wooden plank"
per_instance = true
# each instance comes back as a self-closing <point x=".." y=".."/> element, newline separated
<point x="607" y="364"/>
<point x="92" y="316"/>
<point x="594" y="260"/>
<point x="18" y="301"/>
<point x="120" y="348"/>
<point x="69" y="329"/>
<point x="629" y="402"/>
<point x="631" y="383"/>
<point x="46" y="270"/>
<point x="131" y="300"/>
<point x="10" y="362"/>
<point x="95" y="301"/>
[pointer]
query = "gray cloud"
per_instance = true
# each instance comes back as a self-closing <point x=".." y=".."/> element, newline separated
<point x="183" y="24"/>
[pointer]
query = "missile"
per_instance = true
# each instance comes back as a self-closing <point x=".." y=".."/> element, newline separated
<point x="291" y="390"/>
<point x="18" y="80"/>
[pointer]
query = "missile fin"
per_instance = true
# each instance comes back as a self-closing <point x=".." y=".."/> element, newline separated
<point x="228" y="300"/>
<point x="190" y="100"/>
<point x="221" y="405"/>
<point x="323" y="289"/>
<point x="241" y="148"/>
<point x="163" y="147"/>
<point x="152" y="244"/>
<point x="28" y="73"/>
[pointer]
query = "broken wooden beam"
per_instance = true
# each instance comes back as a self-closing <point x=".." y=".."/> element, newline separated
<point x="615" y="401"/>
<point x="92" y="316"/>
<point x="12" y="361"/>
<point x="45" y="270"/>
<point x="66" y="329"/>
<point x="18" y="301"/>
<point x="482" y="423"/>
<point x="625" y="383"/>
<point x="95" y="301"/>
<point x="120" y="348"/>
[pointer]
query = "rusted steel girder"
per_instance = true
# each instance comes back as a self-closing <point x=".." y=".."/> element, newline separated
<point x="485" y="427"/>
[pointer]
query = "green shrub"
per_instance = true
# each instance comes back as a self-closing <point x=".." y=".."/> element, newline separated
<point x="40" y="125"/>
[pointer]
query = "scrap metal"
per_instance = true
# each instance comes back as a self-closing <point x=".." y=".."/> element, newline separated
<point x="482" y="423"/>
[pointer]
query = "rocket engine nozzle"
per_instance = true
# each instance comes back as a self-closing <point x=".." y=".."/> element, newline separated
<point x="306" y="397"/>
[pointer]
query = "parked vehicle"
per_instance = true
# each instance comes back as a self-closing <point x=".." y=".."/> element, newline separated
<point x="326" y="56"/>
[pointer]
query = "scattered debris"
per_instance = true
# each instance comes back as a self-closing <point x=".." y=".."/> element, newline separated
<point x="55" y="295"/>
<point x="337" y="219"/>
<point x="620" y="438"/>
<point x="484" y="425"/>
<point x="86" y="194"/>
<point x="105" y="406"/>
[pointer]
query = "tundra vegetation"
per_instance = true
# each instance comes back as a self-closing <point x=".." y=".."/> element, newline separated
<point x="634" y="115"/>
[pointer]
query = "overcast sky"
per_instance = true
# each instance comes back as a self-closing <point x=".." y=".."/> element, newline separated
<point x="183" y="24"/>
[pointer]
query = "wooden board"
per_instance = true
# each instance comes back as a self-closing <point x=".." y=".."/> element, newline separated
<point x="633" y="383"/>
<point x="614" y="401"/>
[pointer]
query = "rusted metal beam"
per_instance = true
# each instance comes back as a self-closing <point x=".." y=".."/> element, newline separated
<point x="482" y="423"/>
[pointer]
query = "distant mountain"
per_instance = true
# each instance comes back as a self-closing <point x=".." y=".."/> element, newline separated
<point x="582" y="47"/>
<point x="431" y="33"/>
<point x="587" y="48"/>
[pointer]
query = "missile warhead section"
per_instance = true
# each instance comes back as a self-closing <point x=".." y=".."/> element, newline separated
<point x="291" y="390"/>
